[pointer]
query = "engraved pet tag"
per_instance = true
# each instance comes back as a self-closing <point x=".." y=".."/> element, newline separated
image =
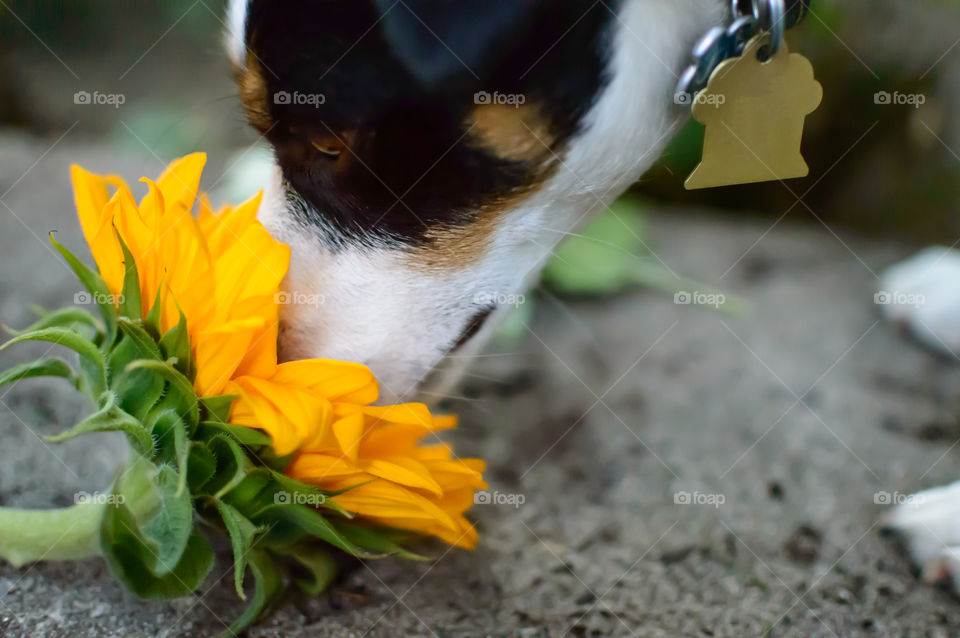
<point x="754" y="114"/>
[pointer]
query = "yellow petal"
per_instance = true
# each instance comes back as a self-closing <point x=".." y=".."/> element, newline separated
<point x="348" y="432"/>
<point x="403" y="471"/>
<point x="181" y="181"/>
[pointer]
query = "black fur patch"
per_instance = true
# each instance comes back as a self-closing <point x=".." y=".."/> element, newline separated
<point x="408" y="167"/>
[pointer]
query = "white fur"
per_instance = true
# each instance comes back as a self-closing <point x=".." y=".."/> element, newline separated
<point x="236" y="22"/>
<point x="382" y="310"/>
<point x="923" y="293"/>
<point x="929" y="523"/>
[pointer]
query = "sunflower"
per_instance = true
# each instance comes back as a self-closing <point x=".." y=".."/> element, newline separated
<point x="221" y="272"/>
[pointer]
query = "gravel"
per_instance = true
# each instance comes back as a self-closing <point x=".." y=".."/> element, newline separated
<point x="781" y="427"/>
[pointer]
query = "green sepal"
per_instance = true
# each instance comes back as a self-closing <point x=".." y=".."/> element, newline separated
<point x="217" y="408"/>
<point x="242" y="534"/>
<point x="62" y="318"/>
<point x="133" y="329"/>
<point x="292" y="485"/>
<point x="111" y="418"/>
<point x="96" y="370"/>
<point x="202" y="465"/>
<point x="319" y="565"/>
<point x="152" y="321"/>
<point x="290" y="523"/>
<point x="180" y="392"/>
<point x="254" y="492"/>
<point x="39" y="368"/>
<point x="139" y="390"/>
<point x="170" y="527"/>
<point x="97" y="287"/>
<point x="130" y="302"/>
<point x="131" y="559"/>
<point x="248" y="436"/>
<point x="263" y="486"/>
<point x="268" y="456"/>
<point x="172" y="444"/>
<point x="376" y="540"/>
<point x="175" y="344"/>
<point x="269" y="585"/>
<point x="232" y="464"/>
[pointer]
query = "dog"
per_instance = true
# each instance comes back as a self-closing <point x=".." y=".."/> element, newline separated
<point x="430" y="154"/>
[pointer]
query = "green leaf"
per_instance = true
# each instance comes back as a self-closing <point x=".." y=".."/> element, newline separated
<point x="175" y="344"/>
<point x="181" y="390"/>
<point x="62" y="318"/>
<point x="608" y="255"/>
<point x="242" y="533"/>
<point x="611" y="255"/>
<point x="269" y="585"/>
<point x="39" y="368"/>
<point x="320" y="566"/>
<point x="96" y="371"/>
<point x="111" y="418"/>
<point x="131" y="559"/>
<point x="217" y="408"/>
<point x="97" y="287"/>
<point x="130" y="303"/>
<point x="169" y="529"/>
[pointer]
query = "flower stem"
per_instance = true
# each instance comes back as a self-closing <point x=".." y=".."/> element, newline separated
<point x="57" y="534"/>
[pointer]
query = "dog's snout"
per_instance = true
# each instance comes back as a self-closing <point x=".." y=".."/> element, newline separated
<point x="395" y="329"/>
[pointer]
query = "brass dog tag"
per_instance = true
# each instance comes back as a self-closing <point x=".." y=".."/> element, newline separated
<point x="754" y="113"/>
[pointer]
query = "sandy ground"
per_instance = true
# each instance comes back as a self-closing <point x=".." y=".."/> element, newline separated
<point x="783" y="425"/>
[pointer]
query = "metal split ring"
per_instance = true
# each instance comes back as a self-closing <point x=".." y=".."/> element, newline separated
<point x="769" y="16"/>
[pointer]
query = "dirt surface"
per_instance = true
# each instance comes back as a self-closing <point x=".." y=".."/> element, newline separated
<point x="782" y="425"/>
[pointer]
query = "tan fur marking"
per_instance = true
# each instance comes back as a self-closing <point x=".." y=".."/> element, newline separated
<point x="518" y="134"/>
<point x="253" y="93"/>
<point x="514" y="133"/>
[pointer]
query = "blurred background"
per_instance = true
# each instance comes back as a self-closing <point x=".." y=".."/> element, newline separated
<point x="884" y="169"/>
